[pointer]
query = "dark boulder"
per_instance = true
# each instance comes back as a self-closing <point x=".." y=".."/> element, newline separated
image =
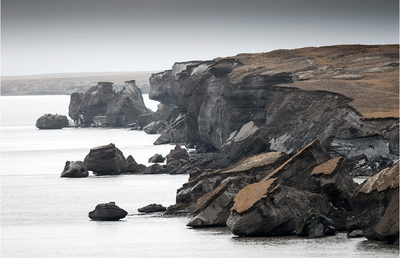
<point x="154" y="169"/>
<point x="155" y="127"/>
<point x="157" y="158"/>
<point x="375" y="204"/>
<point x="106" y="160"/>
<point x="49" y="121"/>
<point x="314" y="224"/>
<point x="107" y="212"/>
<point x="133" y="167"/>
<point x="177" y="155"/>
<point x="152" y="208"/>
<point x="75" y="169"/>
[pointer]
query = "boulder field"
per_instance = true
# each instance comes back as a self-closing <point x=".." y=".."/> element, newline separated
<point x="310" y="194"/>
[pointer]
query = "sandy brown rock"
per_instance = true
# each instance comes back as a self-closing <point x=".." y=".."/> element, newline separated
<point x="311" y="175"/>
<point x="209" y="193"/>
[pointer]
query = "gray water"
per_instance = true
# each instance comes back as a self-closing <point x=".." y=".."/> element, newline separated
<point x="43" y="215"/>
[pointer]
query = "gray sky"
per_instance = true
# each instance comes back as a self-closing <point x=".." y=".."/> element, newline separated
<point x="60" y="36"/>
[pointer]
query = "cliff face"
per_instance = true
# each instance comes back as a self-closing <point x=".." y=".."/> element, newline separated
<point x="345" y="96"/>
<point x="101" y="101"/>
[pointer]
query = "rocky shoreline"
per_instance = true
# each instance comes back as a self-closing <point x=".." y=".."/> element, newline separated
<point x="277" y="138"/>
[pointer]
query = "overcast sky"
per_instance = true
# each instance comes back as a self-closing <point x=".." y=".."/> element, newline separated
<point x="61" y="36"/>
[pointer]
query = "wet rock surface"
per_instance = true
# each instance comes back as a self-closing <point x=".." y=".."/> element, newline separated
<point x="75" y="169"/>
<point x="107" y="212"/>
<point x="50" y="121"/>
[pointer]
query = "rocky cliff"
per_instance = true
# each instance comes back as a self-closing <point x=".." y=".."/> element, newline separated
<point x="101" y="105"/>
<point x="345" y="96"/>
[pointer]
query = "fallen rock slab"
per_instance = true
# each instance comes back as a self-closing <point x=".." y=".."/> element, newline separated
<point x="75" y="169"/>
<point x="376" y="206"/>
<point x="107" y="212"/>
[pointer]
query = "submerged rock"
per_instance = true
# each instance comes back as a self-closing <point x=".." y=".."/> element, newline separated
<point x="107" y="212"/>
<point x="75" y="169"/>
<point x="152" y="208"/>
<point x="49" y="121"/>
<point x="106" y="160"/>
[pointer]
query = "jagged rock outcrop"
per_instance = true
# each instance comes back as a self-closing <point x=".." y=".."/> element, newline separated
<point x="345" y="96"/>
<point x="107" y="212"/>
<point x="376" y="206"/>
<point x="49" y="121"/>
<point x="308" y="180"/>
<point x="119" y="108"/>
<point x="75" y="169"/>
<point x="106" y="160"/>
<point x="133" y="167"/>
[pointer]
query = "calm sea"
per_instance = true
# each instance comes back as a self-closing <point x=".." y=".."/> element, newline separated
<point x="43" y="215"/>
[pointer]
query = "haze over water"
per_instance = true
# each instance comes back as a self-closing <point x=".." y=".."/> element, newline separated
<point x="43" y="215"/>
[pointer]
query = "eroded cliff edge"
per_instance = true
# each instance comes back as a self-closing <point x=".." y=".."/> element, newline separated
<point x="345" y="96"/>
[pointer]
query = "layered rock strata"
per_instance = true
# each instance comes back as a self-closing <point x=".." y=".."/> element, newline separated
<point x="209" y="194"/>
<point x="345" y="96"/>
<point x="376" y="206"/>
<point x="115" y="108"/>
<point x="266" y="194"/>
